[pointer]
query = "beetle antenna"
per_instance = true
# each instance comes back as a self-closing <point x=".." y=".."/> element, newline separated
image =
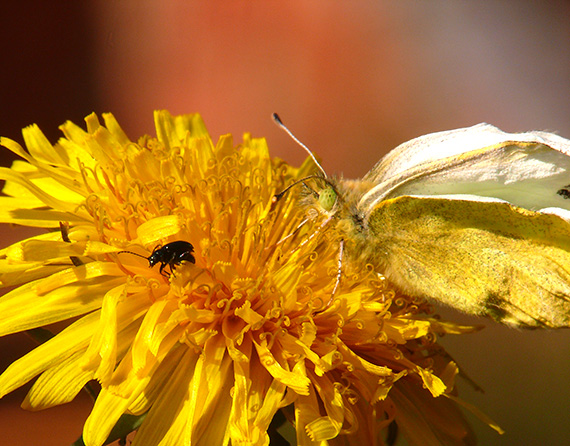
<point x="278" y="121"/>
<point x="130" y="252"/>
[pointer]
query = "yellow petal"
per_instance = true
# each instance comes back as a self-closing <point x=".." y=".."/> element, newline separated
<point x="111" y="403"/>
<point x="45" y="196"/>
<point x="158" y="228"/>
<point x="42" y="302"/>
<point x="167" y="420"/>
<point x="434" y="384"/>
<point x="58" y="385"/>
<point x="40" y="148"/>
<point x="71" y="340"/>
<point x="327" y="427"/>
<point x="297" y="382"/>
<point x="101" y="355"/>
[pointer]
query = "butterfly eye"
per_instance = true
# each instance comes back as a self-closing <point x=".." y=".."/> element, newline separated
<point x="327" y="198"/>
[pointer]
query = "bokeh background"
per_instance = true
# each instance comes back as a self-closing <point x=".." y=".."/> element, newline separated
<point x="351" y="79"/>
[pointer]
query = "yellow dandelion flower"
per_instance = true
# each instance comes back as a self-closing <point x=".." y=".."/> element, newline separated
<point x="236" y="323"/>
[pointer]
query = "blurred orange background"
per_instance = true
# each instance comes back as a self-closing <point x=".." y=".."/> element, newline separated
<point x="351" y="79"/>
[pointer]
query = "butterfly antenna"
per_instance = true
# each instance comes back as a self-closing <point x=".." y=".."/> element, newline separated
<point x="278" y="121"/>
<point x="278" y="196"/>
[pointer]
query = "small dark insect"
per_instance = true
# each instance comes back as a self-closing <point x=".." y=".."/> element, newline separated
<point x="564" y="192"/>
<point x="171" y="254"/>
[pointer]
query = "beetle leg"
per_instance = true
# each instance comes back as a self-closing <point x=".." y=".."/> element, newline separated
<point x="162" y="272"/>
<point x="172" y="265"/>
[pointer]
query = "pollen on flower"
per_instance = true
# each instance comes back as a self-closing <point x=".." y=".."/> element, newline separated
<point x="212" y="351"/>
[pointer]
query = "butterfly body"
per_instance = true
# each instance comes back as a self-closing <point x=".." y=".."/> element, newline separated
<point x="482" y="229"/>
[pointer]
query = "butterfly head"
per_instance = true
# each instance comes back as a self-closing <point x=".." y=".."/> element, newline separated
<point x="327" y="198"/>
<point x="323" y="196"/>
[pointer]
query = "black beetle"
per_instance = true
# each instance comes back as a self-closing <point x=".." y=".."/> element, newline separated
<point x="171" y="254"/>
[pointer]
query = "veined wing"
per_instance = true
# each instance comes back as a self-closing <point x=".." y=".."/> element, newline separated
<point x="481" y="257"/>
<point x="530" y="170"/>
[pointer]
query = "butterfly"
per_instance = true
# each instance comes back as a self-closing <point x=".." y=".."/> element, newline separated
<point x="474" y="218"/>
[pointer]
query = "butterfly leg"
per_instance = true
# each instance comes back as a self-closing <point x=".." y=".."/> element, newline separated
<point x="338" y="273"/>
<point x="313" y="235"/>
<point x="288" y="236"/>
<point x="339" y="269"/>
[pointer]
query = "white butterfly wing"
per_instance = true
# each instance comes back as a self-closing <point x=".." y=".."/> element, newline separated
<point x="530" y="170"/>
